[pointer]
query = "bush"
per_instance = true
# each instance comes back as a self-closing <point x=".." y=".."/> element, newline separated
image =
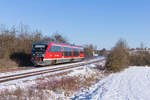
<point x="141" y="58"/>
<point x="118" y="58"/>
<point x="103" y="52"/>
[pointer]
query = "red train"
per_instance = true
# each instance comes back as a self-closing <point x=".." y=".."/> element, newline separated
<point x="46" y="53"/>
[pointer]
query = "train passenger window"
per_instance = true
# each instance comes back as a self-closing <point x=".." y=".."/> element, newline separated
<point x="55" y="49"/>
<point x="75" y="52"/>
<point x="51" y="49"/>
<point x="81" y="51"/>
<point x="70" y="54"/>
<point x="58" y="49"/>
<point x="67" y="51"/>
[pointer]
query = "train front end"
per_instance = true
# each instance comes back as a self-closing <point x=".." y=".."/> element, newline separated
<point x="38" y="52"/>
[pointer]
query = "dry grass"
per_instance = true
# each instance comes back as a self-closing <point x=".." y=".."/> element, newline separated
<point x="65" y="85"/>
<point x="22" y="94"/>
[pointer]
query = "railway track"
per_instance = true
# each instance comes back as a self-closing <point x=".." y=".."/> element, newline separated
<point x="40" y="72"/>
<point x="13" y="69"/>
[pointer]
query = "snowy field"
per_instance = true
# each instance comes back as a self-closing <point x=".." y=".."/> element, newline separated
<point x="131" y="84"/>
<point x="23" y="88"/>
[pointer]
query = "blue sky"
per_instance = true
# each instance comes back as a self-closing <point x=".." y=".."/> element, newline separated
<point x="99" y="22"/>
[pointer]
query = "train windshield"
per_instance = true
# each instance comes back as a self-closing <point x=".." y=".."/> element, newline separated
<point x="39" y="48"/>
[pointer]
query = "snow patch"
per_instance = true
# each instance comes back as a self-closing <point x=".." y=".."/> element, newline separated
<point x="131" y="84"/>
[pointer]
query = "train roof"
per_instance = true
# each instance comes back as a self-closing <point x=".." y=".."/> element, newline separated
<point x="48" y="42"/>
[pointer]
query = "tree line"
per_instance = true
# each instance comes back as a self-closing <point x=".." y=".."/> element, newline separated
<point x="16" y="42"/>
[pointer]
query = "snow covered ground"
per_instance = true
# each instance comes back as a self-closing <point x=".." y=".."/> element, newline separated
<point x="131" y="84"/>
<point x="10" y="89"/>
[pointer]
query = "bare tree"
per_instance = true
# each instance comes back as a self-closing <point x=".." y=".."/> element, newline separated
<point x="16" y="42"/>
<point x="59" y="38"/>
<point x="88" y="50"/>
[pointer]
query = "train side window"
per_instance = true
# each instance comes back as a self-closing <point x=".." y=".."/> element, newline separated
<point x="51" y="49"/>
<point x="55" y="49"/>
<point x="58" y="49"/>
<point x="66" y="51"/>
<point x="69" y="50"/>
<point x="75" y="52"/>
<point x="81" y="51"/>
